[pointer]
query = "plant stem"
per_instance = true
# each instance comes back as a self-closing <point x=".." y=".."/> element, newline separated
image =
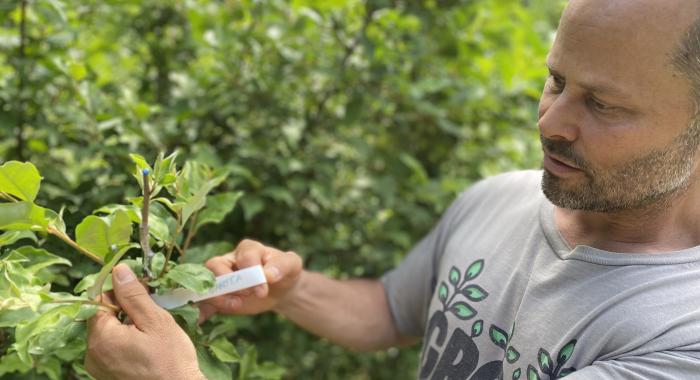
<point x="21" y="72"/>
<point x="144" y="236"/>
<point x="7" y="196"/>
<point x="191" y="231"/>
<point x="53" y="231"/>
<point x="172" y="244"/>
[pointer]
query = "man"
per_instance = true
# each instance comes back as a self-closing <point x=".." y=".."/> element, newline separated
<point x="589" y="270"/>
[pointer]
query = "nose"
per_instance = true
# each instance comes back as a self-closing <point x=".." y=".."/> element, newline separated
<point x="558" y="117"/>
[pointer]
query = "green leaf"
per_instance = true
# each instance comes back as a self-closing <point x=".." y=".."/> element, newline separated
<point x="55" y="219"/>
<point x="40" y="258"/>
<point x="532" y="373"/>
<point x="47" y="320"/>
<point x="94" y="289"/>
<point x="498" y="336"/>
<point x="140" y="162"/>
<point x="202" y="253"/>
<point x="455" y="276"/>
<point x="477" y="328"/>
<point x="462" y="310"/>
<point x="11" y="362"/>
<point x="12" y="317"/>
<point x="567" y="371"/>
<point x="100" y="235"/>
<point x="20" y="179"/>
<point x="194" y="183"/>
<point x="217" y="207"/>
<point x="566" y="352"/>
<point x="512" y="355"/>
<point x="195" y="277"/>
<point x="211" y="368"/>
<point x="475" y="269"/>
<point x="10" y="237"/>
<point x="164" y="170"/>
<point x="474" y="293"/>
<point x="443" y="292"/>
<point x="517" y="373"/>
<point x="224" y="350"/>
<point x="187" y="316"/>
<point x="22" y="216"/>
<point x="545" y="361"/>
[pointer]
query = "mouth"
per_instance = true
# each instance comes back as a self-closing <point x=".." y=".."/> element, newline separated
<point x="557" y="166"/>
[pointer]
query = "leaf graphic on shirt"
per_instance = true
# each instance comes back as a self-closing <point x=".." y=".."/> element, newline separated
<point x="455" y="276"/>
<point x="512" y="355"/>
<point x="532" y="373"/>
<point x="498" y="336"/>
<point x="545" y="361"/>
<point x="566" y="352"/>
<point x="517" y="373"/>
<point x="477" y="327"/>
<point x="474" y="293"/>
<point x="463" y="311"/>
<point x="474" y="270"/>
<point x="567" y="371"/>
<point x="443" y="292"/>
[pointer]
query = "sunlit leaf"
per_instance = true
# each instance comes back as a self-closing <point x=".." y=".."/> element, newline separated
<point x="20" y="179"/>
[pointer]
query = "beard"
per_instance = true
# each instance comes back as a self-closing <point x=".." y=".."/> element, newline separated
<point x="652" y="179"/>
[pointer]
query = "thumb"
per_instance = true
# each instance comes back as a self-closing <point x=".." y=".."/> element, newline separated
<point x="133" y="297"/>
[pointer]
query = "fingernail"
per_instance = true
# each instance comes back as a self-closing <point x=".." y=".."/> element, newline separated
<point x="273" y="273"/>
<point x="234" y="303"/>
<point x="124" y="274"/>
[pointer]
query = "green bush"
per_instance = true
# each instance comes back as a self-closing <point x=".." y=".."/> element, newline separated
<point x="348" y="125"/>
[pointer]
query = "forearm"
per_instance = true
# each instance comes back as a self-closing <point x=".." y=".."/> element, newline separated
<point x="352" y="313"/>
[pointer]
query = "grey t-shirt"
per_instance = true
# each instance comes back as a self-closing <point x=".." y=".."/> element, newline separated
<point x="495" y="292"/>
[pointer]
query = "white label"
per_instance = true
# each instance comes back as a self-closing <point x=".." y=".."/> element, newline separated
<point x="228" y="283"/>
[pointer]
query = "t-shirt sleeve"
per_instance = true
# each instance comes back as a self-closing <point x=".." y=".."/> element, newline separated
<point x="663" y="365"/>
<point x="409" y="286"/>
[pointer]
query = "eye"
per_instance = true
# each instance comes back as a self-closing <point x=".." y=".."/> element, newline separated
<point x="600" y="106"/>
<point x="556" y="84"/>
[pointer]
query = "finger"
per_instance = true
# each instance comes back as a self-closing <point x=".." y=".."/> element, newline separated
<point x="136" y="301"/>
<point x="222" y="264"/>
<point x="250" y="253"/>
<point x="280" y="265"/>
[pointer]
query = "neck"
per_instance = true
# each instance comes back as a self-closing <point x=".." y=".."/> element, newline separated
<point x="670" y="224"/>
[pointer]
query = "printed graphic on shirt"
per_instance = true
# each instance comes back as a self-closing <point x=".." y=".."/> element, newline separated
<point x="458" y="356"/>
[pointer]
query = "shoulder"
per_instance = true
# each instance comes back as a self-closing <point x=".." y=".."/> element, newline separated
<point x="505" y="188"/>
<point x="501" y="195"/>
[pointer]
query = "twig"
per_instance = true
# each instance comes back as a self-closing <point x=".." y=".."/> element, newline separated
<point x="54" y="231"/>
<point x="191" y="231"/>
<point x="144" y="236"/>
<point x="21" y="58"/>
<point x="7" y="197"/>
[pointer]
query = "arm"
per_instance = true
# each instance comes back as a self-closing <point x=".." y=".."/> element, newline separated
<point x="351" y="313"/>
<point x="665" y="365"/>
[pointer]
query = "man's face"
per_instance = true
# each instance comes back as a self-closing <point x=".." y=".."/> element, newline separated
<point x="615" y="116"/>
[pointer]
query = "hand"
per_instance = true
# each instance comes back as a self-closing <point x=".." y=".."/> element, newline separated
<point x="282" y="270"/>
<point x="153" y="347"/>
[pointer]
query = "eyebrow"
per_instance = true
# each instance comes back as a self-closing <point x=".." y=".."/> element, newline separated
<point x="600" y="88"/>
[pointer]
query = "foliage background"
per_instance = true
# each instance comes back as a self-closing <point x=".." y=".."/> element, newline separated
<point x="349" y="124"/>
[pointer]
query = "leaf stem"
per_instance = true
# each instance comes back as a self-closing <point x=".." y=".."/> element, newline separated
<point x="59" y="234"/>
<point x="173" y="244"/>
<point x="144" y="235"/>
<point x="7" y="196"/>
<point x="191" y="231"/>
